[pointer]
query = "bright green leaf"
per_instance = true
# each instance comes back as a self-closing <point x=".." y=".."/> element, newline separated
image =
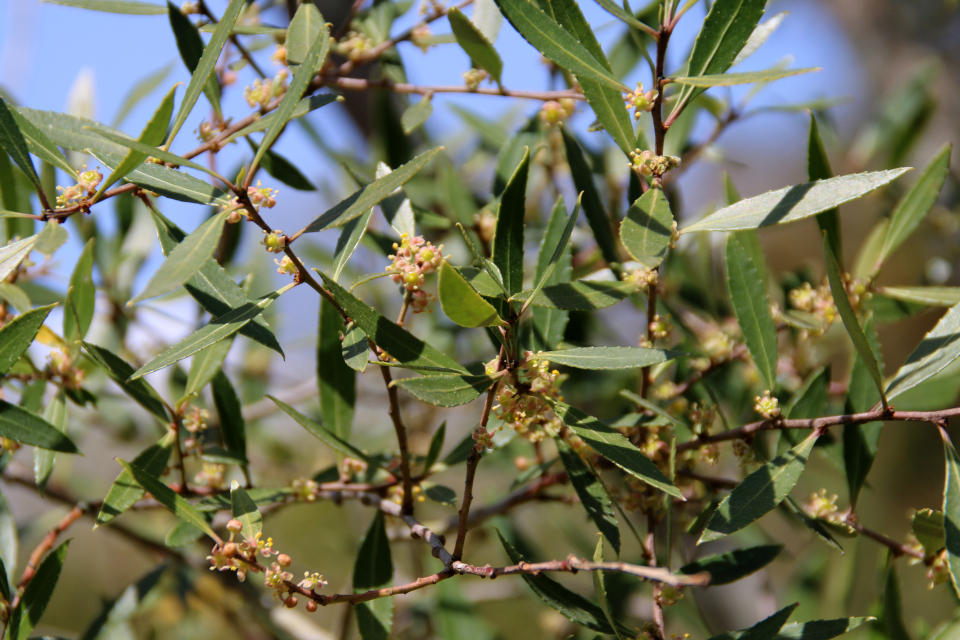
<point x="17" y="335"/>
<point x="374" y="570"/>
<point x="647" y="230"/>
<point x="26" y="427"/>
<point x="461" y="303"/>
<point x="337" y="382"/>
<point x="81" y="297"/>
<point x="130" y="7"/>
<point x="593" y="495"/>
<point x="120" y="372"/>
<point x="951" y="510"/>
<point x="245" y="510"/>
<point x="204" y="366"/>
<point x="13" y="254"/>
<point x="37" y="595"/>
<point x="731" y="566"/>
<point x="751" y="304"/>
<point x="446" y="390"/>
<point x="475" y="44"/>
<point x="607" y="357"/>
<point x="416" y="114"/>
<point x="125" y="492"/>
<point x="169" y="499"/>
<point x="580" y="295"/>
<point x="303" y="32"/>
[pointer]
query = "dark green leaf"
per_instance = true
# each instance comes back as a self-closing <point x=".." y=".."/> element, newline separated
<point x="600" y="589"/>
<point x="766" y="629"/>
<point x="40" y="145"/>
<point x="374" y="570"/>
<point x="820" y="629"/>
<point x="731" y="566"/>
<point x="131" y="7"/>
<point x="125" y="492"/>
<point x="440" y="494"/>
<point x="303" y="32"/>
<point x="260" y="497"/>
<point x="446" y="390"/>
<point x="55" y="413"/>
<point x="233" y="428"/>
<point x="794" y="203"/>
<point x="436" y="445"/>
<point x="508" y="240"/>
<point x="26" y="427"/>
<point x="461" y="302"/>
<point x="760" y="492"/>
<point x="168" y="182"/>
<point x="204" y="365"/>
<point x="81" y="297"/>
<point x="37" y="595"/>
<point x="818" y="168"/>
<point x="302" y="108"/>
<point x="113" y="620"/>
<point x="355" y="349"/>
<point x="607" y="357"/>
<point x="245" y="510"/>
<point x="13" y="143"/>
<point x="71" y="132"/>
<point x="951" y="510"/>
<point x="190" y="45"/>
<point x="326" y="436"/>
<point x="17" y="335"/>
<point x="337" y="381"/>
<point x="475" y="44"/>
<point x="593" y="209"/>
<point x="861" y="442"/>
<point x="549" y="324"/>
<point x="169" y="499"/>
<point x="613" y="446"/>
<point x="647" y="230"/>
<point x="120" y="372"/>
<point x="593" y="495"/>
<point x="585" y="295"/>
<point x="284" y="170"/>
<point x="892" y="609"/>
<point x="544" y="276"/>
<point x="748" y="294"/>
<point x="156" y="152"/>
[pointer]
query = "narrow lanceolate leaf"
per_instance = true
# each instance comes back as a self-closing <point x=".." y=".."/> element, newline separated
<point x="120" y="371"/>
<point x="818" y="168"/>
<point x="729" y="567"/>
<point x="213" y="287"/>
<point x="461" y="302"/>
<point x="152" y="135"/>
<point x="850" y="320"/>
<point x="416" y="114"/>
<point x="726" y="29"/>
<point x="349" y="239"/>
<point x="149" y="150"/>
<point x="395" y="340"/>
<point x="861" y="441"/>
<point x="13" y="254"/>
<point x="607" y="357"/>
<point x="56" y="414"/>
<point x="891" y="617"/>
<point x="369" y="195"/>
<point x="355" y="349"/>
<point x="9" y="541"/>
<point x="169" y="499"/>
<point x="571" y="605"/>
<point x="185" y="259"/>
<point x="337" y="381"/>
<point x="125" y="492"/>
<point x="42" y="146"/>
<point x="17" y="335"/>
<point x="555" y="43"/>
<point x="302" y="108"/>
<point x="245" y="510"/>
<point x="446" y="390"/>
<point x="374" y="570"/>
<point x="951" y="510"/>
<point x="190" y="46"/>
<point x="821" y="629"/>
<point x="933" y="296"/>
<point x="759" y="36"/>
<point x="648" y="228"/>
<point x="302" y="76"/>
<point x="131" y="7"/>
<point x="13" y="143"/>
<point x="217" y="329"/>
<point x="916" y="203"/>
<point x="600" y="589"/>
<point x="114" y="619"/>
<point x="582" y="295"/>
<point x="140" y="90"/>
<point x="303" y="32"/>
<point x="323" y="434"/>
<point x="729" y="79"/>
<point x="593" y="495"/>
<point x="26" y="427"/>
<point x="766" y="629"/>
<point x="508" y="241"/>
<point x="81" y="297"/>
<point x="613" y="446"/>
<point x="475" y="44"/>
<point x="794" y="203"/>
<point x="37" y="595"/>
<point x="748" y="294"/>
<point x="592" y="204"/>
<point x="233" y="428"/>
<point x="206" y="65"/>
<point x="165" y="181"/>
<point x="545" y="270"/>
<point x="204" y="365"/>
<point x="760" y="492"/>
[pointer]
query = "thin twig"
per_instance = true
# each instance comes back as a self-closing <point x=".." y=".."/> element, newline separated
<point x="363" y="84"/>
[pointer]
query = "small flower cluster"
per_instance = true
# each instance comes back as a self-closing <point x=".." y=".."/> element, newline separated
<point x="87" y="183"/>
<point x="421" y="37"/>
<point x="640" y="101"/>
<point x="279" y="56"/>
<point x="767" y="406"/>
<point x="208" y="130"/>
<point x="519" y="397"/>
<point x="195" y="422"/>
<point x="554" y="112"/>
<point x="668" y="595"/>
<point x="647" y="163"/>
<point x="274" y="241"/>
<point x="260" y="197"/>
<point x="473" y="77"/>
<point x="354" y="46"/>
<point x="305" y="489"/>
<point x="262" y="92"/>
<point x="483" y="439"/>
<point x="239" y="556"/>
<point x="414" y="258"/>
<point x="61" y="364"/>
<point x="817" y="301"/>
<point x="642" y="277"/>
<point x="212" y="475"/>
<point x="352" y="468"/>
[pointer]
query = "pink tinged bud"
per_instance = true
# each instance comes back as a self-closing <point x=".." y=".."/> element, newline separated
<point x="234" y="526"/>
<point x="283" y="560"/>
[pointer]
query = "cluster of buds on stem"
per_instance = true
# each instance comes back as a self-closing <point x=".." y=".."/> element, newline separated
<point x="647" y="163"/>
<point x="87" y="183"/>
<point x="209" y="130"/>
<point x="61" y="364"/>
<point x="274" y="241"/>
<point x="520" y="398"/>
<point x="473" y="77"/>
<point x="421" y="37"/>
<point x="414" y="258"/>
<point x="279" y="56"/>
<point x="817" y="301"/>
<point x="767" y="406"/>
<point x="262" y="92"/>
<point x="260" y="197"/>
<point x="555" y="112"/>
<point x="354" y="46"/>
<point x="305" y="489"/>
<point x="640" y="101"/>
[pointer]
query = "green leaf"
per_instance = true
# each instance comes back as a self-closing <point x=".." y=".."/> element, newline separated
<point x="113" y="620"/>
<point x="751" y="304"/>
<point x="114" y="6"/>
<point x="508" y="240"/>
<point x="12" y="141"/>
<point x="592" y="205"/>
<point x="416" y="114"/>
<point x="150" y="150"/>
<point x="726" y="30"/>
<point x="152" y="135"/>
<point x="593" y="495"/>
<point x="915" y="204"/>
<point x="233" y="428"/>
<point x="820" y="629"/>
<point x="647" y="230"/>
<point x="849" y="317"/>
<point x="584" y="295"/>
<point x="555" y="43"/>
<point x="794" y="203"/>
<point x="607" y="357"/>
<point x="40" y="145"/>
<point x="26" y="427"/>
<point x="931" y="296"/>
<point x="891" y="619"/>
<point x="613" y="446"/>
<point x="545" y="274"/>
<point x="283" y="170"/>
<point x="190" y="45"/>
<point x="70" y="132"/>
<point x="600" y="589"/>
<point x="759" y="36"/>
<point x="302" y="75"/>
<point x="303" y="32"/>
<point x="81" y="297"/>
<point x="355" y="349"/>
<point x="9" y="542"/>
<point x="554" y="257"/>
<point x="951" y="510"/>
<point x="861" y="441"/>
<point x="51" y="237"/>
<point x="205" y="66"/>
<point x="213" y="288"/>
<point x="766" y="629"/>
<point x="125" y="492"/>
<point x="818" y="168"/>
<point x="17" y="335"/>
<point x="374" y="570"/>
<point x="163" y="180"/>
<point x="760" y="492"/>
<point x="928" y="527"/>
<point x="17" y="298"/>
<point x="439" y="494"/>
<point x="245" y="510"/>
<point x="37" y="595"/>
<point x="326" y="436"/>
<point x="185" y="259"/>
<point x="348" y="241"/>
<point x="726" y="568"/>
<point x="13" y="254"/>
<point x="475" y="44"/>
<point x="446" y="390"/>
<point x="369" y="195"/>
<point x="461" y="303"/>
<point x="204" y="366"/>
<point x="302" y="108"/>
<point x="337" y="382"/>
<point x="395" y="340"/>
<point x="571" y="605"/>
<point x="730" y="79"/>
<point x="169" y="499"/>
<point x="215" y="330"/>
<point x="120" y="372"/>
<point x="140" y="90"/>
<point x="54" y="413"/>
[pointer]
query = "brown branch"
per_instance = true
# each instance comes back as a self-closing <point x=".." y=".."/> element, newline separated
<point x="529" y="494"/>
<point x="362" y="84"/>
<point x="401" y="431"/>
